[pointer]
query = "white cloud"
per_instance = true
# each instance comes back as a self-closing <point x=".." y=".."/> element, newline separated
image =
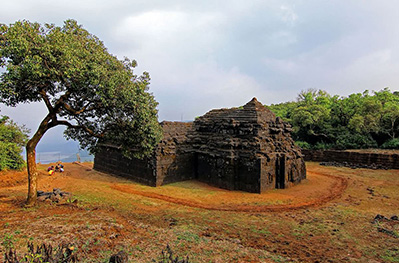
<point x="288" y="14"/>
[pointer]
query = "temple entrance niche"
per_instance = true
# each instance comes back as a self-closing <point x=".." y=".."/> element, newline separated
<point x="280" y="171"/>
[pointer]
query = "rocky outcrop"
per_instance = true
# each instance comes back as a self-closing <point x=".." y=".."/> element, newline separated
<point x="56" y="196"/>
<point x="244" y="148"/>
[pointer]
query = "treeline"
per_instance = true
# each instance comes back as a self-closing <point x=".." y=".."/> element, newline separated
<point x="361" y="120"/>
<point x="12" y="139"/>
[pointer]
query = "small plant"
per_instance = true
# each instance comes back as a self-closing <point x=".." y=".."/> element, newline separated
<point x="44" y="253"/>
<point x="168" y="257"/>
<point x="8" y="241"/>
<point x="33" y="258"/>
<point x="188" y="236"/>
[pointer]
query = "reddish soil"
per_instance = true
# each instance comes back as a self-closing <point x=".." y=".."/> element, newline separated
<point x="330" y="191"/>
<point x="327" y="218"/>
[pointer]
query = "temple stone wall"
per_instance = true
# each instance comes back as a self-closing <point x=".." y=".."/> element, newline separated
<point x="110" y="160"/>
<point x="246" y="149"/>
<point x="170" y="162"/>
<point x="379" y="159"/>
<point x="174" y="158"/>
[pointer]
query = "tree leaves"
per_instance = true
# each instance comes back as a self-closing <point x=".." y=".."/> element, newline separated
<point x="84" y="87"/>
<point x="357" y="121"/>
<point x="12" y="138"/>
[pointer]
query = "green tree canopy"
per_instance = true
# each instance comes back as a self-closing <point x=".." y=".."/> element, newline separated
<point x="85" y="88"/>
<point x="360" y="120"/>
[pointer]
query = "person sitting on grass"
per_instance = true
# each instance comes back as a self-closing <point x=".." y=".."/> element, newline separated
<point x="51" y="170"/>
<point x="60" y="167"/>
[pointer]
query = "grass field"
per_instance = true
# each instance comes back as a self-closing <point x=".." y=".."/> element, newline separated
<point x="327" y="218"/>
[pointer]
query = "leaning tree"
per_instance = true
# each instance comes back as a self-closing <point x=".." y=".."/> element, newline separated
<point x="85" y="88"/>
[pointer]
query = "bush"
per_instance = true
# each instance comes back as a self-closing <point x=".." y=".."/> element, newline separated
<point x="323" y="146"/>
<point x="10" y="156"/>
<point x="303" y="145"/>
<point x="12" y="139"/>
<point x="391" y="144"/>
<point x="355" y="141"/>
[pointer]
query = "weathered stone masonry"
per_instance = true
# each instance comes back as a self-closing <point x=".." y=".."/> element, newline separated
<point x="170" y="162"/>
<point x="245" y="148"/>
<point x="375" y="160"/>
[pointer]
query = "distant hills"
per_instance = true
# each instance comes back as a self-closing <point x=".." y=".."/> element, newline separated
<point x="64" y="151"/>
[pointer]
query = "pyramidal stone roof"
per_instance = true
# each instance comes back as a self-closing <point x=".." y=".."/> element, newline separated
<point x="252" y="127"/>
<point x="254" y="104"/>
<point x="252" y="112"/>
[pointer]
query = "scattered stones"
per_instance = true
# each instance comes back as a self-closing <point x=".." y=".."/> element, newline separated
<point x="120" y="257"/>
<point x="56" y="196"/>
<point x="388" y="232"/>
<point x="379" y="218"/>
<point x="371" y="191"/>
<point x="386" y="225"/>
<point x="172" y="222"/>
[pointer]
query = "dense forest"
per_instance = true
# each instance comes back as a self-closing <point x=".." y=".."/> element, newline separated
<point x="361" y="120"/>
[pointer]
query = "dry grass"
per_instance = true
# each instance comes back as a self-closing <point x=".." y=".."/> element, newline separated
<point x="113" y="214"/>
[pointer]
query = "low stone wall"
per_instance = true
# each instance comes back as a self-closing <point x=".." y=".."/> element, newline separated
<point x="385" y="160"/>
<point x="109" y="159"/>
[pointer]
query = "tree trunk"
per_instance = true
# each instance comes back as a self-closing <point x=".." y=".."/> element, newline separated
<point x="31" y="161"/>
<point x="32" y="173"/>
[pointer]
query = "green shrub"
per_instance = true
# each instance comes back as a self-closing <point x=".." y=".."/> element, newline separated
<point x="12" y="139"/>
<point x="391" y="144"/>
<point x="303" y="145"/>
<point x="322" y="146"/>
<point x="355" y="141"/>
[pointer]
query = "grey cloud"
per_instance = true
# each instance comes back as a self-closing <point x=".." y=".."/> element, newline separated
<point x="222" y="53"/>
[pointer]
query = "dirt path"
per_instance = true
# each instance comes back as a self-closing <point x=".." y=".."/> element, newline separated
<point x="321" y="188"/>
<point x="333" y="192"/>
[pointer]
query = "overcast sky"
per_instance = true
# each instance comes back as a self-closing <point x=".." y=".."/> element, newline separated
<point x="213" y="54"/>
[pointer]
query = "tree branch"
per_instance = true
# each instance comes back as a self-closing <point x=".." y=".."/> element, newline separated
<point x="46" y="100"/>
<point x="61" y="101"/>
<point x="77" y="112"/>
<point x="70" y="125"/>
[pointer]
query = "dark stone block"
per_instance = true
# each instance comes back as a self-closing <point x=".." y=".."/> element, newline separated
<point x="120" y="257"/>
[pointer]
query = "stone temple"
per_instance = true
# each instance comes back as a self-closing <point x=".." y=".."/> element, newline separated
<point x="245" y="148"/>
